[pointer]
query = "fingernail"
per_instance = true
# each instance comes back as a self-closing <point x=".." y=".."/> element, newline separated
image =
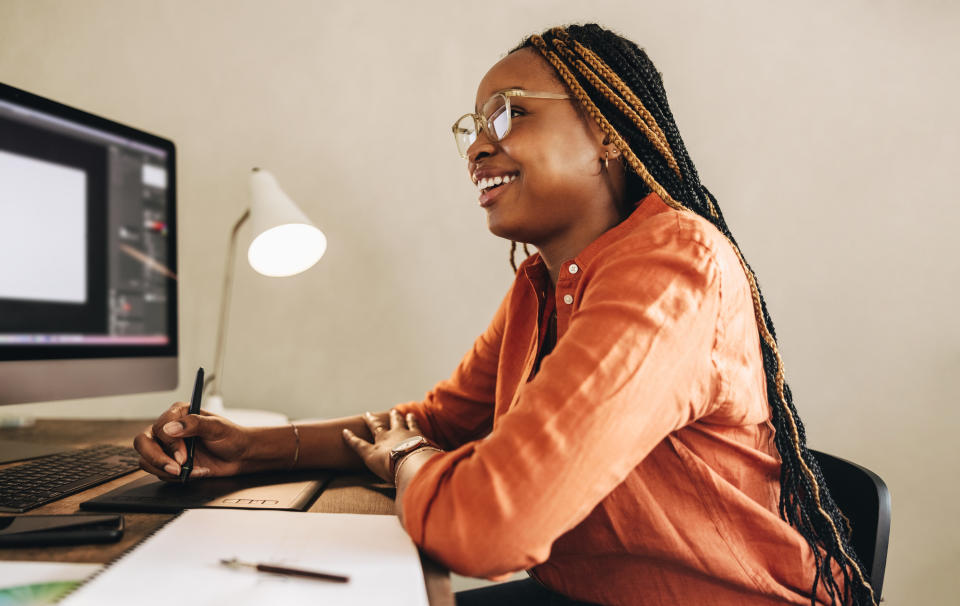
<point x="180" y="457"/>
<point x="173" y="428"/>
<point x="172" y="469"/>
<point x="347" y="432"/>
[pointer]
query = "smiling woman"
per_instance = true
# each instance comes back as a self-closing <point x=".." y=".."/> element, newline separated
<point x="622" y="429"/>
<point x="640" y="237"/>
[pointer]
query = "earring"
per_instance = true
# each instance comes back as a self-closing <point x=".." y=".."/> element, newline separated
<point x="606" y="160"/>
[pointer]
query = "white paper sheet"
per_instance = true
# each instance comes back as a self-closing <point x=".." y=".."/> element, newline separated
<point x="181" y="563"/>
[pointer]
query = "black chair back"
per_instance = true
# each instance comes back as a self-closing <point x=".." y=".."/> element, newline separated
<point x="863" y="497"/>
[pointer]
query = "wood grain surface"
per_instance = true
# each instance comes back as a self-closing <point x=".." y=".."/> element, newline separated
<point x="346" y="493"/>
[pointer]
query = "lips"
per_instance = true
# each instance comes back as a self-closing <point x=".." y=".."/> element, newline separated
<point x="492" y="184"/>
<point x="489" y="195"/>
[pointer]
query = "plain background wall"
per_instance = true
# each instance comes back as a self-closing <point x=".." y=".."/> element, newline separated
<point x="827" y="130"/>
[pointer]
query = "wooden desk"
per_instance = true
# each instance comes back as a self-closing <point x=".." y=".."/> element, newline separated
<point x="347" y="493"/>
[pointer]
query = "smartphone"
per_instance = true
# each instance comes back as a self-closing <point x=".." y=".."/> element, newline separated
<point x="71" y="529"/>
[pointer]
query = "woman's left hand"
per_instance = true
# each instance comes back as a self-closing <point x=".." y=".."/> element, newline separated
<point x="376" y="455"/>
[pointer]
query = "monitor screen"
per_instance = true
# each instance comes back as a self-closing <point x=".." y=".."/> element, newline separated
<point x="88" y="289"/>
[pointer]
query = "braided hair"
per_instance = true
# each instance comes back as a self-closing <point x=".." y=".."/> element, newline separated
<point x="617" y="86"/>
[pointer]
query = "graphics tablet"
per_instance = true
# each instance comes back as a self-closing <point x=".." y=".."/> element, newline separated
<point x="289" y="491"/>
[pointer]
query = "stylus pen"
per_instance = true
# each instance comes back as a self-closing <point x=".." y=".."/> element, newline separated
<point x="293" y="572"/>
<point x="187" y="466"/>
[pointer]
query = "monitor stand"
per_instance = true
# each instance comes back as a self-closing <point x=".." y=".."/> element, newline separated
<point x="11" y="451"/>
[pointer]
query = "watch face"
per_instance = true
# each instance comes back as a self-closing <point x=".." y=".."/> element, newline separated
<point x="407" y="444"/>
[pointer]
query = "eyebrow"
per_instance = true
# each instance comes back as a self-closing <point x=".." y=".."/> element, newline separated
<point x="476" y="110"/>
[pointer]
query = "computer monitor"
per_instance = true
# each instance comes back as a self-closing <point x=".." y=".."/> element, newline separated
<point x="88" y="289"/>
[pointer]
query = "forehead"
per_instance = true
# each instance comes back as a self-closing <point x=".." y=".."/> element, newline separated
<point x="525" y="69"/>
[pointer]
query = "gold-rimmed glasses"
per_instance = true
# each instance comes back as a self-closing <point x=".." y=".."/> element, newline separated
<point x="495" y="117"/>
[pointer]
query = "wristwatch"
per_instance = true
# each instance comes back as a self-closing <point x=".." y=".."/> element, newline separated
<point x="406" y="447"/>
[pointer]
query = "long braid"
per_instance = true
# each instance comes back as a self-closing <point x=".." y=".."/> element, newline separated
<point x="621" y="90"/>
<point x="595" y="113"/>
<point x="629" y="105"/>
<point x="513" y="253"/>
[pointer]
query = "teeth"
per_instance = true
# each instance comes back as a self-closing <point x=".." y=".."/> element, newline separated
<point x="488" y="182"/>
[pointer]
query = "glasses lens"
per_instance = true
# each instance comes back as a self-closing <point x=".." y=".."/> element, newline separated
<point x="465" y="132"/>
<point x="497" y="113"/>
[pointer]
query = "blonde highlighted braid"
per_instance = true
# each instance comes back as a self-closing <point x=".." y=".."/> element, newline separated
<point x="621" y="91"/>
<point x="644" y="120"/>
<point x="632" y="161"/>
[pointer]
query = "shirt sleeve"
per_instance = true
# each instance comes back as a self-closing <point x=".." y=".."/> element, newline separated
<point x="633" y="366"/>
<point x="461" y="408"/>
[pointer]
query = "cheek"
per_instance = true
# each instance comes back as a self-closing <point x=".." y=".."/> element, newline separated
<point x="561" y="160"/>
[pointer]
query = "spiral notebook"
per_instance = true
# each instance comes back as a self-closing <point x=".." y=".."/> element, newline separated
<point x="180" y="562"/>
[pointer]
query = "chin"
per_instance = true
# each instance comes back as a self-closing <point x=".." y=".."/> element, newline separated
<point x="502" y="228"/>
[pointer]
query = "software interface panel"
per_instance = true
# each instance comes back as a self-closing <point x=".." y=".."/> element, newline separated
<point x="83" y="234"/>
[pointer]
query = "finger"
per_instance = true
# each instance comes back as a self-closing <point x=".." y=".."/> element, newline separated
<point x="175" y="412"/>
<point x="396" y="419"/>
<point x="359" y="445"/>
<point x="207" y="428"/>
<point x="152" y="451"/>
<point x="412" y="423"/>
<point x="170" y="472"/>
<point x="373" y="424"/>
<point x="172" y="442"/>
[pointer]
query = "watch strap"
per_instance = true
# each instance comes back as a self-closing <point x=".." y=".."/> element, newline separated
<point x="396" y="468"/>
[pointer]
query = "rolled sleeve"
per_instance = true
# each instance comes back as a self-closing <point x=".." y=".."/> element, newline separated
<point x="633" y="366"/>
<point x="461" y="408"/>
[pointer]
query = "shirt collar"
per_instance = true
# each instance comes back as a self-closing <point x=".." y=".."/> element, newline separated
<point x="650" y="205"/>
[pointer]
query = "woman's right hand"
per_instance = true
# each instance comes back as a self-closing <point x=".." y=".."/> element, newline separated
<point x="219" y="451"/>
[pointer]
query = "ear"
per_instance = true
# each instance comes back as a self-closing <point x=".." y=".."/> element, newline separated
<point x="609" y="148"/>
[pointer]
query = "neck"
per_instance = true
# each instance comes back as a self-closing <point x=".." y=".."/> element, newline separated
<point x="554" y="252"/>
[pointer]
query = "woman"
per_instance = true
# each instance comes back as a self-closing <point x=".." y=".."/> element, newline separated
<point x="622" y="429"/>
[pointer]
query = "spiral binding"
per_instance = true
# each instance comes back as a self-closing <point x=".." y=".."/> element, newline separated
<point x="119" y="557"/>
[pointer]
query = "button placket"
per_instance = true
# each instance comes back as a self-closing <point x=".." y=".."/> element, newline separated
<point x="567" y="283"/>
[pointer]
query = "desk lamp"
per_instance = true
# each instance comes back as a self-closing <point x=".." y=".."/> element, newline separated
<point x="284" y="243"/>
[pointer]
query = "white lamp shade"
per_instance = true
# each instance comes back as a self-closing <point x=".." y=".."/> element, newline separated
<point x="285" y="242"/>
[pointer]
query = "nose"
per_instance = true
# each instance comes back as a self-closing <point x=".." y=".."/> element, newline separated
<point x="481" y="147"/>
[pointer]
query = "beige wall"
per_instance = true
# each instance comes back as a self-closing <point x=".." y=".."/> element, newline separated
<point x="828" y="131"/>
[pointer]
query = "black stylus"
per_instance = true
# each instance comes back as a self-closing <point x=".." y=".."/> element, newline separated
<point x="187" y="466"/>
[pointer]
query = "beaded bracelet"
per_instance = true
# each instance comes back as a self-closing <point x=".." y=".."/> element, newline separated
<point x="296" y="453"/>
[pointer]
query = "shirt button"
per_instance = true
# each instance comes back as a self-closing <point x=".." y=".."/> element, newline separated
<point x="568" y="299"/>
<point x="573" y="268"/>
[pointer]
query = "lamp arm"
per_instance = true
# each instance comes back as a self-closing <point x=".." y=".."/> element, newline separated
<point x="225" y="305"/>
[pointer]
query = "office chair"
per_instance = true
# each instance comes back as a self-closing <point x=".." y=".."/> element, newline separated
<point x="863" y="497"/>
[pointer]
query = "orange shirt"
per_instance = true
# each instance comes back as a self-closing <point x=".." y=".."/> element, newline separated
<point x="638" y="465"/>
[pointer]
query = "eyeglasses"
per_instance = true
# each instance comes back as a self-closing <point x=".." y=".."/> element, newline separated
<point x="495" y="117"/>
